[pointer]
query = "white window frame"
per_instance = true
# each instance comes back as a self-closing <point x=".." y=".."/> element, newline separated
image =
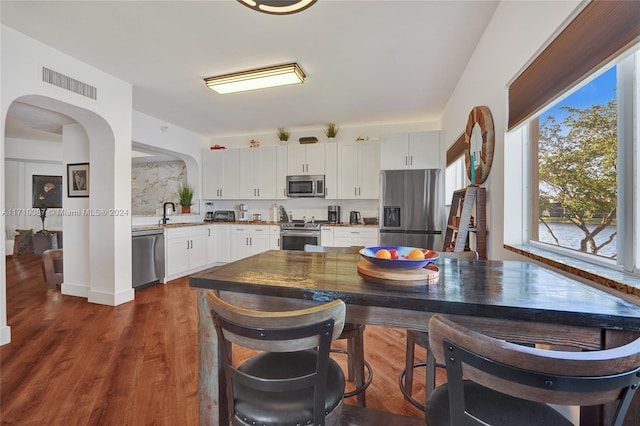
<point x="628" y="210"/>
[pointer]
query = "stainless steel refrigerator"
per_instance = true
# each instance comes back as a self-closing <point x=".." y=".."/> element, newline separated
<point x="411" y="208"/>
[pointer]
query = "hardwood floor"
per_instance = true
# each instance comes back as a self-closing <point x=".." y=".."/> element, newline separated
<point x="76" y="363"/>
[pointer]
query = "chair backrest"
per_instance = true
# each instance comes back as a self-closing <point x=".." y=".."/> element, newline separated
<point x="548" y="376"/>
<point x="52" y="271"/>
<point x="287" y="331"/>
<point x="322" y="249"/>
<point x="470" y="255"/>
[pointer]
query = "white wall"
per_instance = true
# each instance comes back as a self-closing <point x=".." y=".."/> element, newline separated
<point x="76" y="227"/>
<point x="169" y="138"/>
<point x="516" y="32"/>
<point x="107" y="122"/>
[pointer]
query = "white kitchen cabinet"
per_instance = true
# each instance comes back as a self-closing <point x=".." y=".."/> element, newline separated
<point x="186" y="250"/>
<point x="218" y="243"/>
<point x="257" y="173"/>
<point x="355" y="236"/>
<point x="220" y="174"/>
<point x="358" y="170"/>
<point x="326" y="236"/>
<point x="331" y="171"/>
<point x="274" y="237"/>
<point x="281" y="173"/>
<point x="420" y="150"/>
<point x="306" y="159"/>
<point x="247" y="240"/>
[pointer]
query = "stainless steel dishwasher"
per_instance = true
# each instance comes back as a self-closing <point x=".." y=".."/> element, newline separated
<point x="147" y="250"/>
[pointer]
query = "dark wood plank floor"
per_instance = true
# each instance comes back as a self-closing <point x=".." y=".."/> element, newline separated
<point x="76" y="363"/>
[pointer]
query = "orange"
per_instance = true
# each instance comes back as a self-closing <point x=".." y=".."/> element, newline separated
<point x="416" y="255"/>
<point x="383" y="254"/>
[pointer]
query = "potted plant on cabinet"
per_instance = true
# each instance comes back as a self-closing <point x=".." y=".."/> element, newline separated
<point x="331" y="130"/>
<point x="185" y="195"/>
<point x="283" y="135"/>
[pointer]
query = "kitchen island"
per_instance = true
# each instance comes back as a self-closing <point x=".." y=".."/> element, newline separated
<point x="516" y="301"/>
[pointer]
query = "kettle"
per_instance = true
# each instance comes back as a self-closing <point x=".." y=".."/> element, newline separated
<point x="354" y="218"/>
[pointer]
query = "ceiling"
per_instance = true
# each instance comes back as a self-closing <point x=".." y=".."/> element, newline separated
<point x="366" y="62"/>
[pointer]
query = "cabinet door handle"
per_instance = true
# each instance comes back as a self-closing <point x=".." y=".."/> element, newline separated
<point x="187" y="244"/>
<point x="250" y="241"/>
<point x="258" y="192"/>
<point x="411" y="163"/>
<point x="355" y="191"/>
<point x="209" y="231"/>
<point x="359" y="191"/>
<point x="406" y="161"/>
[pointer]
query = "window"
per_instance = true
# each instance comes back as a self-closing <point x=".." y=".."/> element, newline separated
<point x="582" y="166"/>
<point x="455" y="178"/>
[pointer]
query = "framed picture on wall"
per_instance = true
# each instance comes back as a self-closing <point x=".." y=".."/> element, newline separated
<point x="47" y="192"/>
<point x="78" y="180"/>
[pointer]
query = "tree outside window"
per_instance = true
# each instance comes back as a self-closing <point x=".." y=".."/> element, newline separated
<point x="577" y="175"/>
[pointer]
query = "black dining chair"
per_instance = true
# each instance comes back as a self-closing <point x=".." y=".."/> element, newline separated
<point x="421" y="338"/>
<point x="354" y="334"/>
<point x="292" y="380"/>
<point x="509" y="384"/>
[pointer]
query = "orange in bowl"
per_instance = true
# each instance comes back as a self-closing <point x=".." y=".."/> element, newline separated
<point x="383" y="254"/>
<point x="415" y="255"/>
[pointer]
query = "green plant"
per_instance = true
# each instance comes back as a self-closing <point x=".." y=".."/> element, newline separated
<point x="185" y="195"/>
<point x="331" y="130"/>
<point x="283" y="134"/>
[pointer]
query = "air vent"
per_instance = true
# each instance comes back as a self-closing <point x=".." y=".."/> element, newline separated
<point x="68" y="83"/>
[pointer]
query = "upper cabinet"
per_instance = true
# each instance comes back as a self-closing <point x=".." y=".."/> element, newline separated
<point x="358" y="170"/>
<point x="220" y="174"/>
<point x="410" y="151"/>
<point x="257" y="173"/>
<point x="305" y="159"/>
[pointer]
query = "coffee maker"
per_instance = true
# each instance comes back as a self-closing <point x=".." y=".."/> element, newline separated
<point x="333" y="214"/>
<point x="208" y="217"/>
<point x="244" y="213"/>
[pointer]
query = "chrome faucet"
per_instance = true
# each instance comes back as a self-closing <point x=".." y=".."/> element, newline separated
<point x="164" y="211"/>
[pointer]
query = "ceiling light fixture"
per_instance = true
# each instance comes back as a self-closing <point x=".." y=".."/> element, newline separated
<point x="256" y="79"/>
<point x="278" y="7"/>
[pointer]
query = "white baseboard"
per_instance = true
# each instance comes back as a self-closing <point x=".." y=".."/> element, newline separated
<point x="111" y="299"/>
<point x="5" y="335"/>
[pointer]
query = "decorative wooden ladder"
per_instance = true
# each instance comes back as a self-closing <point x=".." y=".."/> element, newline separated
<point x="464" y="204"/>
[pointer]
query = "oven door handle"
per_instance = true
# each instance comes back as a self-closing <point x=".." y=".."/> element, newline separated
<point x="288" y="233"/>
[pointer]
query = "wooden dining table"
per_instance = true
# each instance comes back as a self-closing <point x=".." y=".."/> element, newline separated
<point x="513" y="300"/>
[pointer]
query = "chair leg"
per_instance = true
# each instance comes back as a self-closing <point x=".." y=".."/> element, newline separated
<point x="358" y="366"/>
<point x="408" y="365"/>
<point x="351" y="359"/>
<point x="359" y="370"/>
<point x="431" y="373"/>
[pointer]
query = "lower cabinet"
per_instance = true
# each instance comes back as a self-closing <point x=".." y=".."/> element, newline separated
<point x="326" y="236"/>
<point x="274" y="237"/>
<point x="218" y="243"/>
<point x="247" y="240"/>
<point x="186" y="250"/>
<point x="355" y="236"/>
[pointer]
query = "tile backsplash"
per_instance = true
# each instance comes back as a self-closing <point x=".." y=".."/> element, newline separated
<point x="153" y="183"/>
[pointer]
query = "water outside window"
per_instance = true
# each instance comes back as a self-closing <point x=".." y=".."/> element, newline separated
<point x="576" y="179"/>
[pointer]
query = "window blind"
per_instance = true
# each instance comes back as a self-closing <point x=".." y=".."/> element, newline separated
<point x="601" y="31"/>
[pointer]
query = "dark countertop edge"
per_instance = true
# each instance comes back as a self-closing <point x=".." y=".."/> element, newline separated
<point x="617" y="280"/>
<point x="199" y="280"/>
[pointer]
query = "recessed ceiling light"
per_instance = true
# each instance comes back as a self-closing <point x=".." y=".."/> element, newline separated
<point x="256" y="79"/>
<point x="278" y="7"/>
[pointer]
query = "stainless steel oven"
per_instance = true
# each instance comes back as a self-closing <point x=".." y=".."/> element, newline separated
<point x="293" y="236"/>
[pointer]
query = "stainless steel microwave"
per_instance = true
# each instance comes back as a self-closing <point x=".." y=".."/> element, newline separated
<point x="306" y="186"/>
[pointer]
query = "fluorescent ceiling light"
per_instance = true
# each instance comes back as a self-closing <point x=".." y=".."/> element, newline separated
<point x="256" y="79"/>
<point x="278" y="7"/>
